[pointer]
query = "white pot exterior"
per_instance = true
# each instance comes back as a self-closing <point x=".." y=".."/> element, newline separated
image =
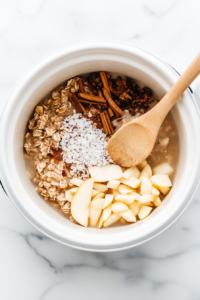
<point x="47" y="74"/>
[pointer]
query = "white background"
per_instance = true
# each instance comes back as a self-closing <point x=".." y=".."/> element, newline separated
<point x="34" y="267"/>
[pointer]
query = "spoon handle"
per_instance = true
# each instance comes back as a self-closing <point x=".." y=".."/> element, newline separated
<point x="159" y="112"/>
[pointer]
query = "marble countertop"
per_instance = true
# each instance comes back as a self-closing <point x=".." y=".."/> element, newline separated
<point x="34" y="267"/>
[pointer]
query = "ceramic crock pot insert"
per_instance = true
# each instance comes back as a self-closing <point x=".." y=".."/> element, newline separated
<point x="50" y="73"/>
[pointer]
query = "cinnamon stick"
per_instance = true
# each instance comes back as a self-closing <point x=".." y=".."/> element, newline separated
<point x="81" y="86"/>
<point x="99" y="93"/>
<point x="109" y="122"/>
<point x="111" y="113"/>
<point x="92" y="102"/>
<point x="74" y="100"/>
<point x="112" y="104"/>
<point x="105" y="124"/>
<point x="105" y="81"/>
<point x="92" y="97"/>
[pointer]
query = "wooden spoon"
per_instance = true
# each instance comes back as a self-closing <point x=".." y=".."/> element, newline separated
<point x="134" y="141"/>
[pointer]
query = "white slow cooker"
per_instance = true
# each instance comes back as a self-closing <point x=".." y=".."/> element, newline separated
<point x="42" y="78"/>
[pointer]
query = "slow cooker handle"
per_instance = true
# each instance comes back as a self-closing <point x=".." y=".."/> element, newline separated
<point x="3" y="187"/>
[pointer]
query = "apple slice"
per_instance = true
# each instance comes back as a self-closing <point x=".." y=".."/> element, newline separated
<point x="137" y="196"/>
<point x="133" y="171"/>
<point x="128" y="199"/>
<point x="144" y="174"/>
<point x="95" y="193"/>
<point x="80" y="205"/>
<point x="132" y="182"/>
<point x="105" y="173"/>
<point x="100" y="187"/>
<point x="128" y="216"/>
<point x="100" y="223"/>
<point x="147" y="198"/>
<point x="108" y="200"/>
<point x="76" y="181"/>
<point x="68" y="196"/>
<point x="164" y="190"/>
<point x="73" y="191"/>
<point x="101" y="195"/>
<point x="161" y="180"/>
<point x="135" y="207"/>
<point x="142" y="165"/>
<point x="123" y="221"/>
<point x="119" y="207"/>
<point x="146" y="186"/>
<point x="113" y="184"/>
<point x="163" y="168"/>
<point x="115" y="193"/>
<point x="125" y="191"/>
<point x="144" y="212"/>
<point x="95" y="211"/>
<point x="111" y="220"/>
<point x="155" y="192"/>
<point x="157" y="201"/>
<point x="107" y="212"/>
<point x="149" y="204"/>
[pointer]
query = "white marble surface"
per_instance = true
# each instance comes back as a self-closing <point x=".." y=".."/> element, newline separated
<point x="34" y="267"/>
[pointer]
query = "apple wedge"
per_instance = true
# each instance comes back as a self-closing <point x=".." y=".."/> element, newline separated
<point x="100" y="187"/>
<point x="146" y="186"/>
<point x="100" y="195"/>
<point x="113" y="184"/>
<point x="123" y="221"/>
<point x="128" y="216"/>
<point x="68" y="196"/>
<point x="163" y="168"/>
<point x="95" y="211"/>
<point x="155" y="192"/>
<point x="147" y="198"/>
<point x="73" y="191"/>
<point x="128" y="199"/>
<point x="95" y="193"/>
<point x="76" y="181"/>
<point x="133" y="171"/>
<point x="135" y="207"/>
<point x="107" y="212"/>
<point x="161" y="180"/>
<point x="132" y="182"/>
<point x="125" y="191"/>
<point x="105" y="173"/>
<point x="142" y="165"/>
<point x="119" y="207"/>
<point x="111" y="220"/>
<point x="157" y="201"/>
<point x="108" y="200"/>
<point x="144" y="212"/>
<point x="164" y="190"/>
<point x="80" y="206"/>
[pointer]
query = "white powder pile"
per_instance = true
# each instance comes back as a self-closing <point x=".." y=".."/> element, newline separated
<point x="83" y="145"/>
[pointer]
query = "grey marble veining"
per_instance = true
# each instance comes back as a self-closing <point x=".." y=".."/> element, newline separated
<point x="31" y="265"/>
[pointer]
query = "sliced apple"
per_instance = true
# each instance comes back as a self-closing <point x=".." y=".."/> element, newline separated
<point x="128" y="199"/>
<point x="148" y="170"/>
<point x="135" y="207"/>
<point x="113" y="184"/>
<point x="155" y="192"/>
<point x="125" y="191"/>
<point x="100" y="223"/>
<point x="161" y="180"/>
<point x="95" y="211"/>
<point x="128" y="216"/>
<point x="144" y="174"/>
<point x="163" y="168"/>
<point x="73" y="191"/>
<point x="111" y="220"/>
<point x="115" y="193"/>
<point x="147" y="198"/>
<point x="137" y="196"/>
<point x="107" y="212"/>
<point x="157" y="201"/>
<point x="142" y="165"/>
<point x="144" y="212"/>
<point x="132" y="182"/>
<point x="68" y="196"/>
<point x="100" y="187"/>
<point x="133" y="171"/>
<point x="105" y="173"/>
<point x="76" y="181"/>
<point x="149" y="204"/>
<point x="108" y="200"/>
<point x="164" y="190"/>
<point x="101" y="195"/>
<point x="80" y="205"/>
<point x="123" y="221"/>
<point x="146" y="186"/>
<point x="95" y="193"/>
<point x="119" y="207"/>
